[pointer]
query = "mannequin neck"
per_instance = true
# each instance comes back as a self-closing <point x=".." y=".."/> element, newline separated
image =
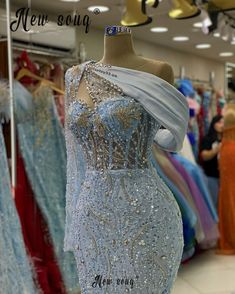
<point x="118" y="49"/>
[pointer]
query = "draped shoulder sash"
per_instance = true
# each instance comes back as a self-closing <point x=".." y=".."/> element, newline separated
<point x="159" y="98"/>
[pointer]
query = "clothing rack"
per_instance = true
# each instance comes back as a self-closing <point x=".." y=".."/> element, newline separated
<point x="40" y="49"/>
<point x="30" y="47"/>
<point x="194" y="80"/>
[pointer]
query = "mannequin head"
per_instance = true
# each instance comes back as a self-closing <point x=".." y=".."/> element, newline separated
<point x="118" y="44"/>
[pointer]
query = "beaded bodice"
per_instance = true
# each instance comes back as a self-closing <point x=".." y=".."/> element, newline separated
<point x="117" y="133"/>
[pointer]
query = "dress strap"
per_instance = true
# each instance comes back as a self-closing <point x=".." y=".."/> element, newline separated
<point x="159" y="98"/>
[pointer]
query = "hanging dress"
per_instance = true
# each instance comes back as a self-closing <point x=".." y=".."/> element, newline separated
<point x="36" y="236"/>
<point x="42" y="146"/>
<point x="16" y="273"/>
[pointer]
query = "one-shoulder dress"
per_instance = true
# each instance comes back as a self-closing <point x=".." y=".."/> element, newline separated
<point x="122" y="222"/>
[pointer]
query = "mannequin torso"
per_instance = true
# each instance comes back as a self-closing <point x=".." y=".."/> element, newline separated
<point x="119" y="51"/>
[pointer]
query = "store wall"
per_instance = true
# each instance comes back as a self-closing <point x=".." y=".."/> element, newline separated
<point x="196" y="67"/>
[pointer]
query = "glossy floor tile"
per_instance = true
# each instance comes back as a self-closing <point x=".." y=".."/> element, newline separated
<point x="207" y="273"/>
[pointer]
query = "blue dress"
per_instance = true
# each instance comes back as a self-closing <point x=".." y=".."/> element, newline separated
<point x="198" y="175"/>
<point x="42" y="145"/>
<point x="122" y="222"/>
<point x="16" y="274"/>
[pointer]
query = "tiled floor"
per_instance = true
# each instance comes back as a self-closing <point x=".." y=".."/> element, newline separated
<point x="207" y="273"/>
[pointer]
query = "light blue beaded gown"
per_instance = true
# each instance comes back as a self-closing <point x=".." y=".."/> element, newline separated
<point x="16" y="274"/>
<point x="122" y="222"/>
<point x="42" y="145"/>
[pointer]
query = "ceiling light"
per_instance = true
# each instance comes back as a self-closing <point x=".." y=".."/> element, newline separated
<point x="198" y="24"/>
<point x="159" y="30"/>
<point x="98" y="7"/>
<point x="217" y="34"/>
<point x="69" y="0"/>
<point x="180" y="38"/>
<point x="203" y="46"/>
<point x="226" y="54"/>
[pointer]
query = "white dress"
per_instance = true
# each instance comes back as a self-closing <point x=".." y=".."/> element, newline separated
<point x="122" y="222"/>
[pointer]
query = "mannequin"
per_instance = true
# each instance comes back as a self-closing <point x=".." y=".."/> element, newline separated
<point x="122" y="221"/>
<point x="119" y="51"/>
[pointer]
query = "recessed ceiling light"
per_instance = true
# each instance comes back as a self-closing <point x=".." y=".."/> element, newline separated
<point x="180" y="38"/>
<point x="203" y="46"/>
<point x="70" y="0"/>
<point x="225" y="38"/>
<point x="217" y="35"/>
<point x="226" y="54"/>
<point x="98" y="7"/>
<point x="198" y="24"/>
<point x="159" y="30"/>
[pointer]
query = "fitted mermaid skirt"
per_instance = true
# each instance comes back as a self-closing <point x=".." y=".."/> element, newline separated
<point x="129" y="233"/>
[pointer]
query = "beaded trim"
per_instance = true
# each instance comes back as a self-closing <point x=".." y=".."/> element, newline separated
<point x="116" y="30"/>
<point x="99" y="89"/>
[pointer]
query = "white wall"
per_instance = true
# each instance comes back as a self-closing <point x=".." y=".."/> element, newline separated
<point x="196" y="67"/>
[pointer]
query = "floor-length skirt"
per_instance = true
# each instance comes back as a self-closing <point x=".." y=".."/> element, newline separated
<point x="128" y="233"/>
